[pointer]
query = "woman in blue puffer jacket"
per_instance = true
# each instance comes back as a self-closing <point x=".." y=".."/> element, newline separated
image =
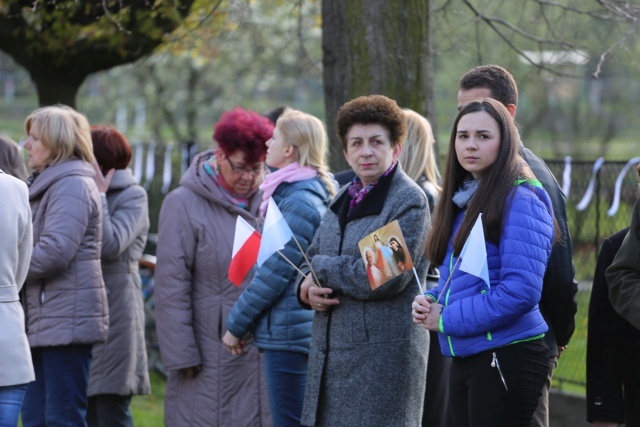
<point x="493" y="331"/>
<point x="268" y="309"/>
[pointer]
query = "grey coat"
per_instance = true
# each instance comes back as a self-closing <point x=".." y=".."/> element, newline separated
<point x="119" y="365"/>
<point x="368" y="360"/>
<point x="64" y="296"/>
<point x="15" y="253"/>
<point x="193" y="298"/>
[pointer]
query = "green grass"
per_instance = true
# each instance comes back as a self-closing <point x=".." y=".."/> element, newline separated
<point x="148" y="411"/>
<point x="571" y="372"/>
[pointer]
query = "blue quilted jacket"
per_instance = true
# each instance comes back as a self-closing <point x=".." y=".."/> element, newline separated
<point x="269" y="307"/>
<point x="476" y="317"/>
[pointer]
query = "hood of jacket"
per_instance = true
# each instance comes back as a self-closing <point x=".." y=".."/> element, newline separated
<point x="121" y="179"/>
<point x="57" y="171"/>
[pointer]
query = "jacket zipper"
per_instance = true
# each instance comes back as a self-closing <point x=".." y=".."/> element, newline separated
<point x="496" y="364"/>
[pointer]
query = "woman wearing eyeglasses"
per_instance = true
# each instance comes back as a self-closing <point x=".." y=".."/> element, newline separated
<point x="207" y="385"/>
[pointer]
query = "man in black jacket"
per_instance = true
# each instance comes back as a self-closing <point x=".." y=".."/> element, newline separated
<point x="558" y="305"/>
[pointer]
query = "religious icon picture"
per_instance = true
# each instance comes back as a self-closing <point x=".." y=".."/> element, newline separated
<point x="384" y="254"/>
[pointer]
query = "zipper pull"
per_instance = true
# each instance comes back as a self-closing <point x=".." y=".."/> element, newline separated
<point x="493" y="360"/>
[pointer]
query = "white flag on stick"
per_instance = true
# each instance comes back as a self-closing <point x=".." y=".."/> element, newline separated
<point x="275" y="234"/>
<point x="474" y="253"/>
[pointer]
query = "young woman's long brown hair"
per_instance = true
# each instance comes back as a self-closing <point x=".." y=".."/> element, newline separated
<point x="493" y="190"/>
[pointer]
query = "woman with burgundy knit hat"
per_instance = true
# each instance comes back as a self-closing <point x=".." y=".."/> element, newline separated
<point x="207" y="385"/>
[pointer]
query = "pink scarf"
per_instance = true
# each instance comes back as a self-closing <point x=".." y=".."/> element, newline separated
<point x="290" y="173"/>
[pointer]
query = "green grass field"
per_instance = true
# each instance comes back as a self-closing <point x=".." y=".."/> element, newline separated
<point x="148" y="411"/>
<point x="571" y="372"/>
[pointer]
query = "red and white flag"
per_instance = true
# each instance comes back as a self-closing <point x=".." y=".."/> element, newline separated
<point x="246" y="244"/>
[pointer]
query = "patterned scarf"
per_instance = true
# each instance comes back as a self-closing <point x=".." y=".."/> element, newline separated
<point x="357" y="191"/>
<point x="211" y="168"/>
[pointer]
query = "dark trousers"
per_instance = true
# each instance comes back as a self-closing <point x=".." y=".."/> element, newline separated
<point x="501" y="391"/>
<point x="109" y="410"/>
<point x="436" y="396"/>
<point x="58" y="396"/>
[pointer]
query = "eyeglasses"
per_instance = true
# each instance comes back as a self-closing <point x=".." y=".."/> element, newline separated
<point x="255" y="171"/>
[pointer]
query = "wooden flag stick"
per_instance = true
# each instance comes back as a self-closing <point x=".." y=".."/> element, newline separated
<point x="448" y="279"/>
<point x="297" y="269"/>
<point x="415" y="273"/>
<point x="317" y="282"/>
<point x="292" y="264"/>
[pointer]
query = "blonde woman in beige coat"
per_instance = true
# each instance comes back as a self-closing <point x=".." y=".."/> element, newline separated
<point x="16" y="369"/>
<point x="207" y="385"/>
<point x="119" y="366"/>
<point x="64" y="297"/>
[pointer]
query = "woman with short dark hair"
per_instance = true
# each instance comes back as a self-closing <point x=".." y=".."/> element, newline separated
<point x="119" y="366"/>
<point x="368" y="361"/>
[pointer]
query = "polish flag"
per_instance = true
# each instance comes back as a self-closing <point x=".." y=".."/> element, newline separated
<point x="246" y="244"/>
<point x="276" y="232"/>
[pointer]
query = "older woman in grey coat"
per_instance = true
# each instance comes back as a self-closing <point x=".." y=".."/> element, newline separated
<point x="119" y="367"/>
<point x="207" y="386"/>
<point x="368" y="362"/>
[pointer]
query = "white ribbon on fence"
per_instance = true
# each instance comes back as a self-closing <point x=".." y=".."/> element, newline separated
<point x="618" y="187"/>
<point x="566" y="176"/>
<point x="185" y="158"/>
<point x="151" y="164"/>
<point x="137" y="166"/>
<point x="166" y="173"/>
<point x="592" y="182"/>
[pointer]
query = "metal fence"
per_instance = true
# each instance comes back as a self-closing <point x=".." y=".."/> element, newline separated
<point x="594" y="191"/>
<point x="600" y="199"/>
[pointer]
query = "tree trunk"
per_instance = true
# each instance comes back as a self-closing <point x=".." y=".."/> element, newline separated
<point x="373" y="47"/>
<point x="56" y="87"/>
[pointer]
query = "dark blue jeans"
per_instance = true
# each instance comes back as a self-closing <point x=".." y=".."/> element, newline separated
<point x="58" y="396"/>
<point x="286" y="377"/>
<point x="11" y="397"/>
